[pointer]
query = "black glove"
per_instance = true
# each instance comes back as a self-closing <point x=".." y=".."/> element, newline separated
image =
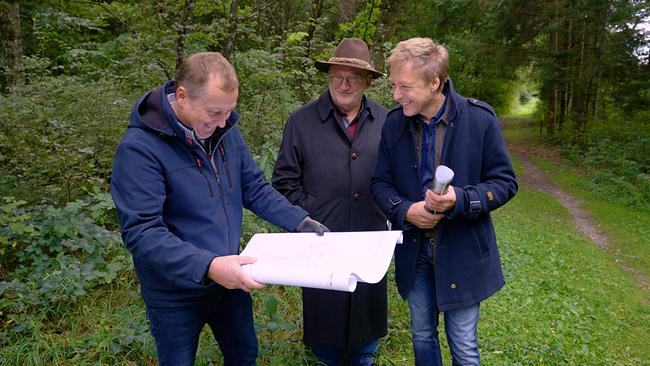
<point x="309" y="225"/>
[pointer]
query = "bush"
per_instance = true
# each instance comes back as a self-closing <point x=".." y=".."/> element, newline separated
<point x="51" y="256"/>
<point x="266" y="100"/>
<point x="615" y="149"/>
<point x="59" y="138"/>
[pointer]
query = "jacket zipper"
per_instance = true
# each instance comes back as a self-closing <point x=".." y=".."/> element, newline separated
<point x="197" y="160"/>
<point x="223" y="196"/>
<point x="225" y="164"/>
<point x="215" y="170"/>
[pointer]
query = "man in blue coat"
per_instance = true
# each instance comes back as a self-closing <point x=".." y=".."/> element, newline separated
<point x="181" y="175"/>
<point x="449" y="261"/>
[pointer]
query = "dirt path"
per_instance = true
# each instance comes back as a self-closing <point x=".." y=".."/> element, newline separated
<point x="534" y="178"/>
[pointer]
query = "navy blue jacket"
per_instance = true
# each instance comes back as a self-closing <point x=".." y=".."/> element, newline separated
<point x="467" y="266"/>
<point x="179" y="206"/>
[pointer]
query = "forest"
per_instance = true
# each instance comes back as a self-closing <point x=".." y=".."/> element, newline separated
<point x="575" y="73"/>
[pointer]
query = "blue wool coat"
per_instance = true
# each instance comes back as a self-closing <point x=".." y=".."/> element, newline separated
<point x="467" y="265"/>
<point x="180" y="206"/>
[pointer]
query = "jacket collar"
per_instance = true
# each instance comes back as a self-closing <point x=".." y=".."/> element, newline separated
<point x="455" y="99"/>
<point x="326" y="106"/>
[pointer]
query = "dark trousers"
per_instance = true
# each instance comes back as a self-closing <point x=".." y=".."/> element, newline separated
<point x="230" y="316"/>
<point x="360" y="356"/>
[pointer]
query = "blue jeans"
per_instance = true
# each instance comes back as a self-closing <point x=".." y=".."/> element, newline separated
<point x="230" y="316"/>
<point x="460" y="324"/>
<point x="361" y="356"/>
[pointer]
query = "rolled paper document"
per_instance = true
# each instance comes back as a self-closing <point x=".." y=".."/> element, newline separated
<point x="442" y="179"/>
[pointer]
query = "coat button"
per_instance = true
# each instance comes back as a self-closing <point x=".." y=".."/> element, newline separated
<point x="453" y="286"/>
<point x="354" y="155"/>
<point x="414" y="241"/>
<point x="356" y="196"/>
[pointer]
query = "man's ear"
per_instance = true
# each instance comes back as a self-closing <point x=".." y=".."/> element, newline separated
<point x="181" y="93"/>
<point x="435" y="84"/>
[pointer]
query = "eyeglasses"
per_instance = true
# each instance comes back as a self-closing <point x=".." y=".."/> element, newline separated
<point x="353" y="81"/>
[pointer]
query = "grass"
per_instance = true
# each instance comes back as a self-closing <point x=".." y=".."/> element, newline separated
<point x="628" y="229"/>
<point x="566" y="302"/>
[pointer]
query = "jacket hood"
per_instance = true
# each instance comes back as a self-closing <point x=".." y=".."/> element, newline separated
<point x="153" y="112"/>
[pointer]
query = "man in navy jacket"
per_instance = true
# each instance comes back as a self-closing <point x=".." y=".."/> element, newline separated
<point x="181" y="175"/>
<point x="449" y="261"/>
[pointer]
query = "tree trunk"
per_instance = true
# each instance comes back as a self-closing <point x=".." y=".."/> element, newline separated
<point x="552" y="80"/>
<point x="232" y="27"/>
<point x="348" y="9"/>
<point x="316" y="12"/>
<point x="580" y="110"/>
<point x="565" y="86"/>
<point x="182" y="31"/>
<point x="598" y="34"/>
<point x="562" y="111"/>
<point x="385" y="28"/>
<point x="551" y="99"/>
<point x="11" y="41"/>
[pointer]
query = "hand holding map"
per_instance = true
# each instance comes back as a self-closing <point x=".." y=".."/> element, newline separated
<point x="334" y="261"/>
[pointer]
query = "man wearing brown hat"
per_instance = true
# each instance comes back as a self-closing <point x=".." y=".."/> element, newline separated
<point x="327" y="156"/>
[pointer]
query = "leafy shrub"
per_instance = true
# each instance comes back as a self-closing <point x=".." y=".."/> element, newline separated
<point x="266" y="100"/>
<point x="615" y="150"/>
<point x="51" y="256"/>
<point x="59" y="137"/>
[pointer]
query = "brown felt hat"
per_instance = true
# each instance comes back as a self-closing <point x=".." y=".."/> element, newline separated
<point x="351" y="52"/>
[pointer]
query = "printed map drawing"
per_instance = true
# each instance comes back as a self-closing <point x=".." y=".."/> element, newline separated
<point x="335" y="261"/>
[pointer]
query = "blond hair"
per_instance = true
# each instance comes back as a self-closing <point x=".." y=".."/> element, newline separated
<point x="195" y="72"/>
<point x="430" y="58"/>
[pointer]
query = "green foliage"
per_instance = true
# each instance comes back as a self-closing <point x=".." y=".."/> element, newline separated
<point x="66" y="33"/>
<point x="381" y="92"/>
<point x="67" y="293"/>
<point x="363" y="25"/>
<point x="58" y="137"/>
<point x="266" y="100"/>
<point x="615" y="151"/>
<point x="51" y="256"/>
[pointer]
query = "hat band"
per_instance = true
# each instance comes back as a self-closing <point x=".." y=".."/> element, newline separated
<point x="355" y="61"/>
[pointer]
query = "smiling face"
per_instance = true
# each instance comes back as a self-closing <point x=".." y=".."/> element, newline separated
<point x="207" y="111"/>
<point x="347" y="85"/>
<point x="413" y="92"/>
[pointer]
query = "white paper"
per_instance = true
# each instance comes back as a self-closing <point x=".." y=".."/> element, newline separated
<point x="334" y="261"/>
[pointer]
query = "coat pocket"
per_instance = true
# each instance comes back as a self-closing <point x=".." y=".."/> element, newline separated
<point x="484" y="236"/>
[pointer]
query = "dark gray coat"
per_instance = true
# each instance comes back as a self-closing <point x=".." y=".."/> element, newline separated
<point x="319" y="169"/>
